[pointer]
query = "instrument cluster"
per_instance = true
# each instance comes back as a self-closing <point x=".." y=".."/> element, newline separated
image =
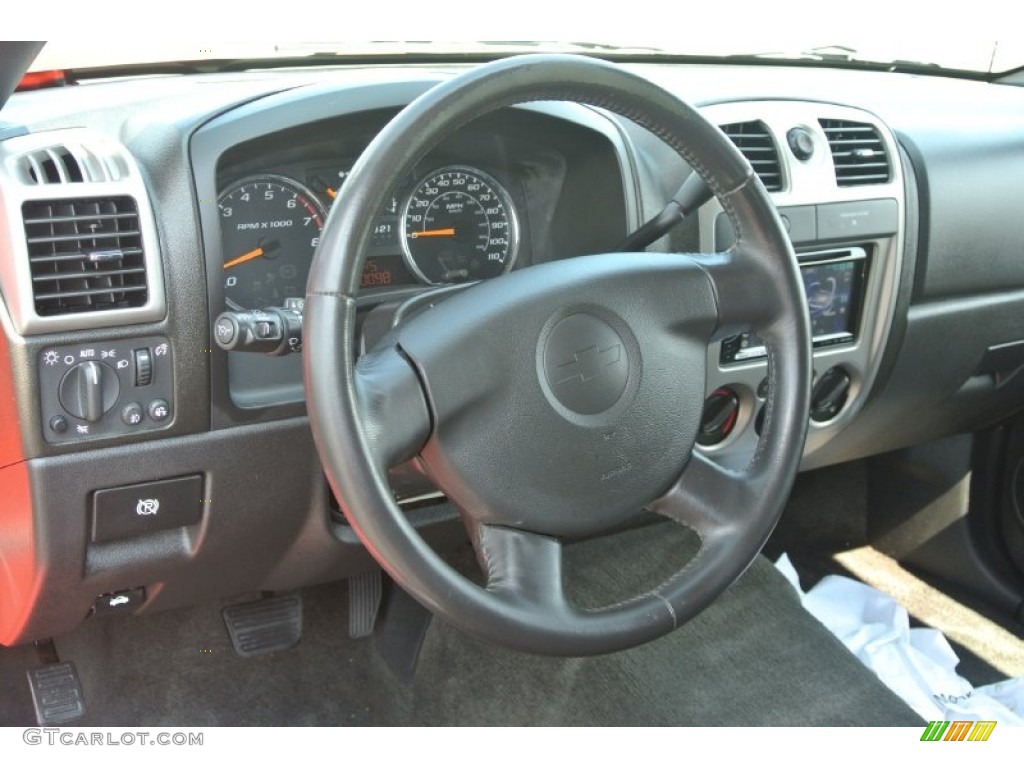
<point x="451" y="224"/>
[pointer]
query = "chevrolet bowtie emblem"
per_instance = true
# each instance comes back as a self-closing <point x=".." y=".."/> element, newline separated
<point x="589" y="363"/>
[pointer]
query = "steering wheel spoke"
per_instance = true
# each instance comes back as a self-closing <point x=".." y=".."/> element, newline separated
<point x="744" y="291"/>
<point x="521" y="567"/>
<point x="709" y="498"/>
<point x="395" y="418"/>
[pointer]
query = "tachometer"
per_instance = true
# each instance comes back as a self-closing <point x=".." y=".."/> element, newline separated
<point x="459" y="225"/>
<point x="270" y="227"/>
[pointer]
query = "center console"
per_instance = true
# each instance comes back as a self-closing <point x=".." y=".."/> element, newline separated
<point x="835" y="176"/>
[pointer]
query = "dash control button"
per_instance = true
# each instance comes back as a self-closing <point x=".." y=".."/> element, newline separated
<point x="159" y="410"/>
<point x="143" y="367"/>
<point x="134" y="510"/>
<point x="131" y="414"/>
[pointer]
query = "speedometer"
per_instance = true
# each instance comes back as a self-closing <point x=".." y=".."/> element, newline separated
<point x="459" y="225"/>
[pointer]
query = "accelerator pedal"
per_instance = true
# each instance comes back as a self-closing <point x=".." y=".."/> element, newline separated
<point x="265" y="626"/>
<point x="56" y="693"/>
<point x="364" y="593"/>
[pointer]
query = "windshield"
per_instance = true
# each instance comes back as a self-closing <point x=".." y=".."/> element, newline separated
<point x="991" y="57"/>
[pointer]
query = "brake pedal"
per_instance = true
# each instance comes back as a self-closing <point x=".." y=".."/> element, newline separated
<point x="56" y="693"/>
<point x="265" y="626"/>
<point x="364" y="592"/>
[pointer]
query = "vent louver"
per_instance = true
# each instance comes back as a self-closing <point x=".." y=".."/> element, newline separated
<point x="755" y="143"/>
<point x="858" y="153"/>
<point x="70" y="164"/>
<point x="85" y="254"/>
<point x="55" y="165"/>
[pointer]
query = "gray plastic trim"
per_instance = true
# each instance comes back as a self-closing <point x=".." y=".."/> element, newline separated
<point x="111" y="171"/>
<point x="812" y="182"/>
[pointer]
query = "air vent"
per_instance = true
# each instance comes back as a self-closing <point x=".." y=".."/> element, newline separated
<point x="858" y="153"/>
<point x="755" y="143"/>
<point x="85" y="255"/>
<point x="55" y="165"/>
<point x="70" y="164"/>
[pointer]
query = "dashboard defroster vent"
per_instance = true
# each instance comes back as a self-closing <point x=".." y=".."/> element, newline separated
<point x="755" y="143"/>
<point x="70" y="164"/>
<point x="858" y="153"/>
<point x="85" y="254"/>
<point x="53" y="166"/>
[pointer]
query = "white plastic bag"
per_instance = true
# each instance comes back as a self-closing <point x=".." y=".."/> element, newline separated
<point x="917" y="664"/>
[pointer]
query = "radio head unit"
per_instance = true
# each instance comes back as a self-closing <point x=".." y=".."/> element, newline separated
<point x="834" y="284"/>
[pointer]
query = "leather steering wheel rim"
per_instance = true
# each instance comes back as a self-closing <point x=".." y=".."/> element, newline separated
<point x="395" y="403"/>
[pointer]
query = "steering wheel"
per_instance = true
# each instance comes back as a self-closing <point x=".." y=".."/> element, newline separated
<point x="558" y="400"/>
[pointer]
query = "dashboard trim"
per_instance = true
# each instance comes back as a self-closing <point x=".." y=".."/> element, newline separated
<point x="812" y="183"/>
<point x="122" y="177"/>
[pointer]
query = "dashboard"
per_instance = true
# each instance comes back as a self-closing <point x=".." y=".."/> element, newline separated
<point x="131" y="229"/>
<point x="518" y="189"/>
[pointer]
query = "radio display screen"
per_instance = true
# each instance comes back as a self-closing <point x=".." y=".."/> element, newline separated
<point x="831" y="297"/>
<point x="833" y="290"/>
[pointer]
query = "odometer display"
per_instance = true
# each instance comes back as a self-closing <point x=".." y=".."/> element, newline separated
<point x="459" y="225"/>
<point x="385" y="272"/>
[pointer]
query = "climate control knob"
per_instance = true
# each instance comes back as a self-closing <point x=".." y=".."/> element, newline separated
<point x="89" y="390"/>
<point x="829" y="394"/>
<point x="719" y="417"/>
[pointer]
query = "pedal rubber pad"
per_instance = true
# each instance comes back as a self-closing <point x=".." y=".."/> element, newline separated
<point x="364" y="592"/>
<point x="56" y="693"/>
<point x="265" y="626"/>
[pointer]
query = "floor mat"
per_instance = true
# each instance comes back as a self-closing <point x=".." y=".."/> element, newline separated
<point x="755" y="657"/>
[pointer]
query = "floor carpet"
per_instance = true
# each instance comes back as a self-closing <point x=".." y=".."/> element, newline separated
<point x="755" y="657"/>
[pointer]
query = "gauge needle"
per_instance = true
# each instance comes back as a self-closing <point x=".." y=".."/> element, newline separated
<point x="450" y="232"/>
<point x="255" y="253"/>
<point x="317" y="181"/>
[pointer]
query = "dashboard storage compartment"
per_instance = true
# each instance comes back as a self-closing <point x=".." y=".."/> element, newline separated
<point x="133" y="510"/>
